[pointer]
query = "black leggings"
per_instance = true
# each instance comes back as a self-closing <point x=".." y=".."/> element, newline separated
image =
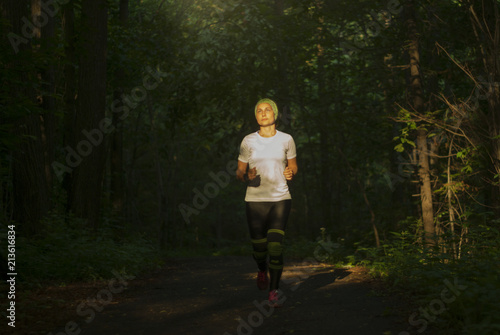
<point x="267" y="222"/>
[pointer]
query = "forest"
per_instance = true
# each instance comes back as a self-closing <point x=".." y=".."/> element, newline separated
<point x="121" y="122"/>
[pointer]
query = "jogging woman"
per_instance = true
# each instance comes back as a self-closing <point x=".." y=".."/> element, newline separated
<point x="266" y="162"/>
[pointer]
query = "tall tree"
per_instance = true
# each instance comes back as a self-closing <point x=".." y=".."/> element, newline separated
<point x="31" y="192"/>
<point x="485" y="18"/>
<point x="116" y="161"/>
<point x="69" y="70"/>
<point x="46" y="94"/>
<point x="416" y="102"/>
<point x="90" y="125"/>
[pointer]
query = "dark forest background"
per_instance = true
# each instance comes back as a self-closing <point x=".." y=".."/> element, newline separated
<point x="121" y="123"/>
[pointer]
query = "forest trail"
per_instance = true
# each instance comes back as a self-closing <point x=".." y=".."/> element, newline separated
<point x="218" y="296"/>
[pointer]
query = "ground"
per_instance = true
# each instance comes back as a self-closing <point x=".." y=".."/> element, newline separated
<point x="218" y="295"/>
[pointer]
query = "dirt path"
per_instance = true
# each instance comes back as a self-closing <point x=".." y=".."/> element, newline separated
<point x="218" y="295"/>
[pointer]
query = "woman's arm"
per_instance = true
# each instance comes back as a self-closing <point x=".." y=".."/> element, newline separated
<point x="291" y="169"/>
<point x="241" y="171"/>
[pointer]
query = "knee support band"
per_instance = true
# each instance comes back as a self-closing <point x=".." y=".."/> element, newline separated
<point x="275" y="255"/>
<point x="275" y="248"/>
<point x="260" y="253"/>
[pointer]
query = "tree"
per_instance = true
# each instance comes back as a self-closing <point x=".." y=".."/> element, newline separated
<point x="69" y="101"/>
<point x="117" y="190"/>
<point x="90" y="125"/>
<point x="32" y="125"/>
<point x="416" y="103"/>
<point x="485" y="20"/>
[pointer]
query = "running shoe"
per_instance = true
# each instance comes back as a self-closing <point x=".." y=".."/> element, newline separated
<point x="262" y="280"/>
<point x="274" y="299"/>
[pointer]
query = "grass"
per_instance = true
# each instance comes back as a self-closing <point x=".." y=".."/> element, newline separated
<point x="462" y="296"/>
<point x="69" y="252"/>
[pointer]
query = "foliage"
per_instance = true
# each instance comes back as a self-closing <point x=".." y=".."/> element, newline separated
<point x="69" y="251"/>
<point x="424" y="274"/>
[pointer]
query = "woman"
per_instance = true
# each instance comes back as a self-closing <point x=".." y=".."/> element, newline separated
<point x="267" y="161"/>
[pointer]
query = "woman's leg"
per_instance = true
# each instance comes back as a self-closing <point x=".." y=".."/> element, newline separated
<point x="257" y="213"/>
<point x="277" y="220"/>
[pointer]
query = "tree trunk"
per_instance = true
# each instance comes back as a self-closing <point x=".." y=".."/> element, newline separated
<point x="31" y="193"/>
<point x="42" y="44"/>
<point x="416" y="102"/>
<point x="46" y="96"/>
<point x="116" y="163"/>
<point x="69" y="90"/>
<point x="425" y="187"/>
<point x="91" y="125"/>
<point x="161" y="191"/>
<point x="485" y="19"/>
<point x="449" y="195"/>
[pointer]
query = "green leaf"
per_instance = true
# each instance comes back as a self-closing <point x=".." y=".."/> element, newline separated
<point x="411" y="143"/>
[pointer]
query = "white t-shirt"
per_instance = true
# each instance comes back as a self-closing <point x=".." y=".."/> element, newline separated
<point x="269" y="156"/>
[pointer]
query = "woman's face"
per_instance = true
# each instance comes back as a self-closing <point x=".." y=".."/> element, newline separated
<point x="265" y="114"/>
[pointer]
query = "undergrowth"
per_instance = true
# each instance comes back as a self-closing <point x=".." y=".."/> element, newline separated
<point x="68" y="251"/>
<point x="456" y="292"/>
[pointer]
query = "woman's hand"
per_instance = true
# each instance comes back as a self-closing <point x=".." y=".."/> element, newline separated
<point x="288" y="173"/>
<point x="291" y="169"/>
<point x="249" y="176"/>
<point x="252" y="173"/>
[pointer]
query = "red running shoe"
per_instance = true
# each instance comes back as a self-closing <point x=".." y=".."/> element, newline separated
<point x="262" y="280"/>
<point x="274" y="299"/>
